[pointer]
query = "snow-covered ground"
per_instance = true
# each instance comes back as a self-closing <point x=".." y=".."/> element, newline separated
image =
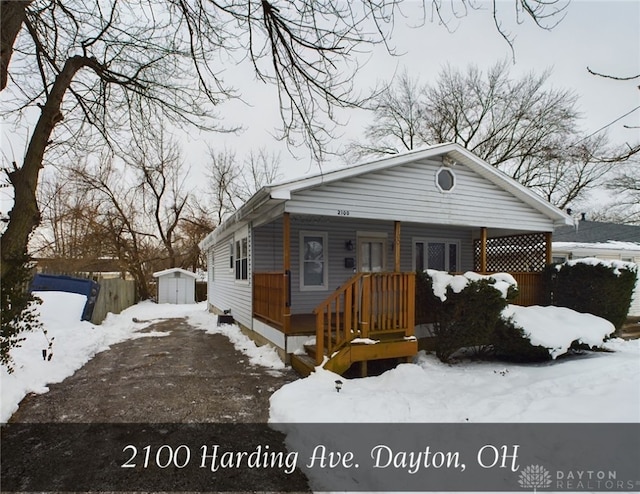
<point x="75" y="342"/>
<point x="593" y="387"/>
<point x="586" y="388"/>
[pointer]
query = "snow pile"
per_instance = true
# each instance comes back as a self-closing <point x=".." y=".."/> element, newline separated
<point x="615" y="264"/>
<point x="556" y="328"/>
<point x="458" y="282"/>
<point x="75" y="342"/>
<point x="594" y="387"/>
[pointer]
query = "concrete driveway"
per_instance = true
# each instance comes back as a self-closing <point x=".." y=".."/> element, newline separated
<point x="188" y="376"/>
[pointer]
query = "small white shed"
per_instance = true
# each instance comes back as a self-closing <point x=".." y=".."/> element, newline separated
<point x="176" y="286"/>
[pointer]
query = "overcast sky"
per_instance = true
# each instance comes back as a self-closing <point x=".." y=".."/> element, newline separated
<point x="604" y="35"/>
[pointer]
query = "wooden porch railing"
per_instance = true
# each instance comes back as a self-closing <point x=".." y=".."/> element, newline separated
<point x="270" y="297"/>
<point x="368" y="305"/>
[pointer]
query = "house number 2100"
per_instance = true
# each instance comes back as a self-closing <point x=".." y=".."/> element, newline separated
<point x="343" y="212"/>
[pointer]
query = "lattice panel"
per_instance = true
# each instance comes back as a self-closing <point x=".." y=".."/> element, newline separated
<point x="516" y="253"/>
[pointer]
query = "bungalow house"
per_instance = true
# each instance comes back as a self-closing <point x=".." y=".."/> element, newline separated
<point x="607" y="241"/>
<point x="333" y="256"/>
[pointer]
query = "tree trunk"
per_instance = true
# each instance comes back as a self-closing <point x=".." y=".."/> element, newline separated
<point x="12" y="15"/>
<point x="25" y="216"/>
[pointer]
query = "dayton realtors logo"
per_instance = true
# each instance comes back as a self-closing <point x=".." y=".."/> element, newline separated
<point x="534" y="477"/>
<point x="538" y="477"/>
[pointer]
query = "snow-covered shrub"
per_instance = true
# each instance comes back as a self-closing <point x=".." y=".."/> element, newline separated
<point x="510" y="342"/>
<point x="464" y="309"/>
<point x="542" y="333"/>
<point x="594" y="286"/>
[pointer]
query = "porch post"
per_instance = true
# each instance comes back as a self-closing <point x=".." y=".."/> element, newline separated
<point x="547" y="248"/>
<point x="483" y="249"/>
<point x="396" y="245"/>
<point x="286" y="266"/>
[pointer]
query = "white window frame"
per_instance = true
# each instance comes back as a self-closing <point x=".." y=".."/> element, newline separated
<point x="453" y="178"/>
<point x="428" y="240"/>
<point x="238" y="237"/>
<point x="325" y="254"/>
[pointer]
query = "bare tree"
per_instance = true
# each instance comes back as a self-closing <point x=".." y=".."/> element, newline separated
<point x="160" y="174"/>
<point x="98" y="69"/>
<point x="625" y="205"/>
<point x="128" y="64"/>
<point x="233" y="182"/>
<point x="518" y="125"/>
<point x="116" y="218"/>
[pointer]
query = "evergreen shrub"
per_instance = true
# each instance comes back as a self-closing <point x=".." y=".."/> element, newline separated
<point x="466" y="319"/>
<point x="510" y="343"/>
<point x="603" y="289"/>
<point x="18" y="311"/>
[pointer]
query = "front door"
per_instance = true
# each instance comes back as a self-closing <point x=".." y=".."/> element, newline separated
<point x="371" y="254"/>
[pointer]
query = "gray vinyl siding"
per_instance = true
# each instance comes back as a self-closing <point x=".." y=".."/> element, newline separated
<point x="409" y="193"/>
<point x="225" y="292"/>
<point x="268" y="247"/>
<point x="268" y="250"/>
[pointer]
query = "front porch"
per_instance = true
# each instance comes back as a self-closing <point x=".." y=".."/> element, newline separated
<point x="370" y="317"/>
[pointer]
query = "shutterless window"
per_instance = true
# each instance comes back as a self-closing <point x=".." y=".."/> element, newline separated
<point x="313" y="256"/>
<point x="241" y="260"/>
<point x="439" y="255"/>
<point x="445" y="179"/>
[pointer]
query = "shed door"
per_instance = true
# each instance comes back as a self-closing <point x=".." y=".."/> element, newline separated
<point x="173" y="290"/>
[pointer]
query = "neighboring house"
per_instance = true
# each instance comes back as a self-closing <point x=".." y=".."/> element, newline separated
<point x="607" y="241"/>
<point x="334" y="255"/>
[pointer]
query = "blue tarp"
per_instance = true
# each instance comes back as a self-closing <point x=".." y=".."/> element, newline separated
<point x="69" y="284"/>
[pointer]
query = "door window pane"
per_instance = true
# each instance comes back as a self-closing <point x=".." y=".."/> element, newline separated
<point x="371" y="256"/>
<point x="376" y="257"/>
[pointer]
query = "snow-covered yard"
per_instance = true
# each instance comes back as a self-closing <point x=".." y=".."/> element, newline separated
<point x="592" y="387"/>
<point x="586" y="388"/>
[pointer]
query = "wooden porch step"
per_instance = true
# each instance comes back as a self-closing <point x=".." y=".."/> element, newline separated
<point x="388" y="347"/>
<point x="303" y="364"/>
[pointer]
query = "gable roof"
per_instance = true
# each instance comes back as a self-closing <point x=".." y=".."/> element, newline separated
<point x="597" y="232"/>
<point x="164" y="272"/>
<point x="273" y="194"/>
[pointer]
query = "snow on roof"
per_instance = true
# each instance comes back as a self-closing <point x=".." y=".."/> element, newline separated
<point x="157" y="274"/>
<point x="610" y="245"/>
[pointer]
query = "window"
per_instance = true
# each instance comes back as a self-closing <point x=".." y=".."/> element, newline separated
<point x="231" y="263"/>
<point x="442" y="255"/>
<point x="445" y="179"/>
<point x="313" y="259"/>
<point x="241" y="259"/>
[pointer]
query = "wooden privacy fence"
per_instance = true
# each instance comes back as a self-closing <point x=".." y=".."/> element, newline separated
<point x="115" y="295"/>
